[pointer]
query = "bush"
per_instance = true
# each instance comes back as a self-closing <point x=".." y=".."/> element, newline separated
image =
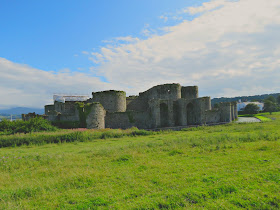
<point x="251" y="109"/>
<point x="33" y="125"/>
<point x="67" y="124"/>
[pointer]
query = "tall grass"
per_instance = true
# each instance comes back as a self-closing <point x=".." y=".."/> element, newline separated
<point x="62" y="136"/>
<point x="232" y="166"/>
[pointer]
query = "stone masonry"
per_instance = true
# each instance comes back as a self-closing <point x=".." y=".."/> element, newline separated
<point x="166" y="105"/>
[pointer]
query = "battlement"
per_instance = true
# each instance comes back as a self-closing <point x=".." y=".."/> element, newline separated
<point x="163" y="105"/>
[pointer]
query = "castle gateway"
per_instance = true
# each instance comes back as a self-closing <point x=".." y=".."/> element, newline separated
<point x="167" y="105"/>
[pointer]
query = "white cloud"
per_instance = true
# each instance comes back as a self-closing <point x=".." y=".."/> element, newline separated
<point x="22" y="85"/>
<point x="233" y="46"/>
<point x="206" y="7"/>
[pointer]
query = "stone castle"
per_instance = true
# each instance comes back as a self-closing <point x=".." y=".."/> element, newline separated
<point x="167" y="105"/>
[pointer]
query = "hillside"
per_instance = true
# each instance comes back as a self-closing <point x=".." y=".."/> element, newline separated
<point x="20" y="110"/>
<point x="244" y="98"/>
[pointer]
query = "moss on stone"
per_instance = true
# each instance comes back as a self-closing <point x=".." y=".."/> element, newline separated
<point x="84" y="111"/>
<point x="107" y="92"/>
<point x="130" y="117"/>
<point x="81" y="106"/>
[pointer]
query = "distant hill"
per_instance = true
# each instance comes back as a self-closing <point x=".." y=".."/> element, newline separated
<point x="244" y="98"/>
<point x="20" y="110"/>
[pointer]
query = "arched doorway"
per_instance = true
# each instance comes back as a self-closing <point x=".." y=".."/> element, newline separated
<point x="176" y="113"/>
<point x="190" y="114"/>
<point x="163" y="115"/>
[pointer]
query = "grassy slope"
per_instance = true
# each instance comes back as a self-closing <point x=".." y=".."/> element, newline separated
<point x="231" y="166"/>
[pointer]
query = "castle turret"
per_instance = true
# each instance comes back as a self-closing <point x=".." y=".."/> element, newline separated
<point x="189" y="92"/>
<point x="111" y="100"/>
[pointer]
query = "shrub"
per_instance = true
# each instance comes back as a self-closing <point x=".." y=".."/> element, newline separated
<point x="66" y="124"/>
<point x="251" y="109"/>
<point x="33" y="125"/>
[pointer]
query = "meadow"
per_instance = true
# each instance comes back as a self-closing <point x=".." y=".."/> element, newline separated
<point x="230" y="166"/>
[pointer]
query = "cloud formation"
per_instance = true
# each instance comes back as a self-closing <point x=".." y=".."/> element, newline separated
<point x="232" y="48"/>
<point x="22" y="85"/>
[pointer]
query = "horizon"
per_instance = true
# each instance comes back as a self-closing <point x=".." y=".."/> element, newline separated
<point x="228" y="48"/>
<point x="13" y="107"/>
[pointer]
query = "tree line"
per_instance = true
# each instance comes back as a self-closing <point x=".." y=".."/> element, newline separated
<point x="271" y="104"/>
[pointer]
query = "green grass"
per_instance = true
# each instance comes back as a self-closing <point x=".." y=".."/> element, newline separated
<point x="264" y="117"/>
<point x="222" y="167"/>
<point x="62" y="136"/>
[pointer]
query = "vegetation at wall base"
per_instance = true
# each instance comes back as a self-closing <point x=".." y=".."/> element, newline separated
<point x="229" y="166"/>
<point x="18" y="126"/>
<point x="66" y="124"/>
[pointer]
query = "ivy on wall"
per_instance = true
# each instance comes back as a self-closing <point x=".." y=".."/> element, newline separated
<point x="84" y="110"/>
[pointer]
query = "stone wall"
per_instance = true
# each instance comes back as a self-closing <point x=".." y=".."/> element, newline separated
<point x="165" y="105"/>
<point x="189" y="92"/>
<point x="63" y="112"/>
<point x="213" y="116"/>
<point x="165" y="92"/>
<point x="128" y="119"/>
<point x="137" y="104"/>
<point x="58" y="106"/>
<point x="69" y="107"/>
<point x="235" y="112"/>
<point x="225" y="109"/>
<point x="26" y="117"/>
<point x="69" y="117"/>
<point x="111" y="100"/>
<point x="49" y="108"/>
<point x="95" y="116"/>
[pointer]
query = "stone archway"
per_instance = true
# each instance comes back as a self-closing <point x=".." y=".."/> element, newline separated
<point x="190" y="114"/>
<point x="176" y="113"/>
<point x="164" y="115"/>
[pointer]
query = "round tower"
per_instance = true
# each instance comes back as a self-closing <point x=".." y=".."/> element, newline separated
<point x="95" y="116"/>
<point x="111" y="100"/>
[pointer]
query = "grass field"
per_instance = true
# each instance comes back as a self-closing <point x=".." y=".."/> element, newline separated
<point x="264" y="117"/>
<point x="227" y="167"/>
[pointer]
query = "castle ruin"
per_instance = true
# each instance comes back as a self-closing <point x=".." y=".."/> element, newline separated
<point x="167" y="105"/>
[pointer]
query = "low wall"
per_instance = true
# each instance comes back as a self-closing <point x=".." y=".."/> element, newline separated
<point x="128" y="119"/>
<point x="137" y="104"/>
<point x="212" y="116"/>
<point x="69" y="117"/>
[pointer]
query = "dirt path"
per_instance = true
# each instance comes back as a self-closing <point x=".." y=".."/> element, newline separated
<point x="247" y="120"/>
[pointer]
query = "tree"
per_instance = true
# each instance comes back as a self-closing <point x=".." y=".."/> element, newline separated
<point x="270" y="106"/>
<point x="278" y="100"/>
<point x="251" y="109"/>
<point x="271" y="98"/>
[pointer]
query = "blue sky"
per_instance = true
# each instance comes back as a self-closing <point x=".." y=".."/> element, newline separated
<point x="226" y="47"/>
<point x="51" y="35"/>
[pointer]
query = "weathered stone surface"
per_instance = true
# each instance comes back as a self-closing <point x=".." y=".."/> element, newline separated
<point x="95" y="119"/>
<point x="111" y="100"/>
<point x="166" y="105"/>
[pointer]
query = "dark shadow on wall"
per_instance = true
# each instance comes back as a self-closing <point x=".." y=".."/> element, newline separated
<point x="163" y="115"/>
<point x="176" y="113"/>
<point x="190" y="114"/>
